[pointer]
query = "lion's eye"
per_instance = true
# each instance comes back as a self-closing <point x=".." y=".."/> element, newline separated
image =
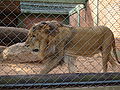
<point x="33" y="27"/>
<point x="33" y="36"/>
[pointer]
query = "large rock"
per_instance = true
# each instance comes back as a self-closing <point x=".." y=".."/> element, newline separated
<point x="20" y="54"/>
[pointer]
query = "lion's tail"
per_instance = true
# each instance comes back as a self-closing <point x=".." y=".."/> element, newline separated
<point x="114" y="51"/>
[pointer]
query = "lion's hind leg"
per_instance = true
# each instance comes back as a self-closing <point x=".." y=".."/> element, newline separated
<point x="104" y="62"/>
<point x="106" y="49"/>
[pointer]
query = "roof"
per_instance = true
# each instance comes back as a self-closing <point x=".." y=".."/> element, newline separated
<point x="49" y="7"/>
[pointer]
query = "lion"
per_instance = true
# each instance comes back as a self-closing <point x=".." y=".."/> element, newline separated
<point x="54" y="40"/>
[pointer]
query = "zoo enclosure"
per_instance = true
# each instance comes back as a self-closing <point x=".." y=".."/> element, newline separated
<point x="24" y="13"/>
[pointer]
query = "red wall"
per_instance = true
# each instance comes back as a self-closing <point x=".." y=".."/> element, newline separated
<point x="85" y="18"/>
<point x="32" y="19"/>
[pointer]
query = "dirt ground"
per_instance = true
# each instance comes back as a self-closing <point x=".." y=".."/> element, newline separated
<point x="82" y="65"/>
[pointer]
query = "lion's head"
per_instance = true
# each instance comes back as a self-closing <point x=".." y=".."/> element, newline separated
<point x="42" y="35"/>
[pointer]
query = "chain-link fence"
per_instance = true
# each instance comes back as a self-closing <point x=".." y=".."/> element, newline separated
<point x="81" y="64"/>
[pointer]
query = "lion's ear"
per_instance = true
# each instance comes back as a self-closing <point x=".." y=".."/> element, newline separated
<point x="58" y="24"/>
<point x="53" y="30"/>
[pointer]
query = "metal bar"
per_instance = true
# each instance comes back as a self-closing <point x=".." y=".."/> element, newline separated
<point x="76" y="9"/>
<point x="58" y="80"/>
<point x="95" y="15"/>
<point x="66" y="84"/>
<point x="63" y="1"/>
<point x="97" y="12"/>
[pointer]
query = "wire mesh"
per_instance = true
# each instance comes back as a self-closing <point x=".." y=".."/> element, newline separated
<point x="18" y="16"/>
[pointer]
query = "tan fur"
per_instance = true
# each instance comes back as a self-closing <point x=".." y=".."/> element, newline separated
<point x="54" y="40"/>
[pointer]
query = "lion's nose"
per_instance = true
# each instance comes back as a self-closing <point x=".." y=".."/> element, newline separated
<point x="27" y="45"/>
<point x="35" y="50"/>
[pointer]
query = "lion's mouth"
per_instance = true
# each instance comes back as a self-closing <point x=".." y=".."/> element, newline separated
<point x="35" y="50"/>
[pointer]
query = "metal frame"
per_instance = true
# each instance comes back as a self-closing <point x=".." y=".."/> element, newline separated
<point x="63" y="1"/>
<point x="60" y="80"/>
